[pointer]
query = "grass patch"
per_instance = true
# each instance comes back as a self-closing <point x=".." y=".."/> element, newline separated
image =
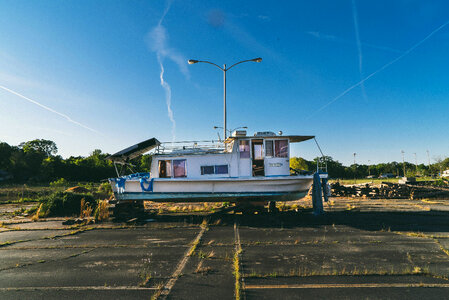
<point x="202" y="270"/>
<point x="202" y="254"/>
<point x="304" y="272"/>
<point x="441" y="247"/>
<point x="145" y="274"/>
<point x="237" y="275"/>
<point x="204" y="225"/>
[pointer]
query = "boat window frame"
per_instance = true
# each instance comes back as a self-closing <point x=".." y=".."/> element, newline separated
<point x="202" y="173"/>
<point x="272" y="147"/>
<point x="185" y="168"/>
<point x="249" y="149"/>
<point x="223" y="165"/>
<point x="215" y="169"/>
<point x="172" y="168"/>
<point x="168" y="171"/>
<point x="288" y="148"/>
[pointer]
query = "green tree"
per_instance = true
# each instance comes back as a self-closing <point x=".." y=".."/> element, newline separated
<point x="5" y="156"/>
<point x="47" y="147"/>
<point x="299" y="163"/>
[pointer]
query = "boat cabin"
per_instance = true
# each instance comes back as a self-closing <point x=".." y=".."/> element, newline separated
<point x="262" y="155"/>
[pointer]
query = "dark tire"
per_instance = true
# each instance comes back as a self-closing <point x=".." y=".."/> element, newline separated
<point x="272" y="207"/>
<point x="128" y="210"/>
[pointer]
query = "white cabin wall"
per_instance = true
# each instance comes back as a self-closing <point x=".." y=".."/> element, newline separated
<point x="237" y="167"/>
<point x="194" y="163"/>
<point x="277" y="166"/>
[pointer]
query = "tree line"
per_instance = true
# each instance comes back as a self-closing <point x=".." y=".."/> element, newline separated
<point x="37" y="161"/>
<point x="338" y="170"/>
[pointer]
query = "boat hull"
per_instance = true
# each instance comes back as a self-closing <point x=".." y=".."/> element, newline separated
<point x="279" y="188"/>
<point x="210" y="197"/>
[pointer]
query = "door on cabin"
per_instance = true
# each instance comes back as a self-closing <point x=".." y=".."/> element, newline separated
<point x="258" y="158"/>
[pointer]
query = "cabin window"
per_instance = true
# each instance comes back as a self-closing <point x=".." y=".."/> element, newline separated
<point x="217" y="169"/>
<point x="179" y="168"/>
<point x="166" y="171"/>
<point x="268" y="148"/>
<point x="281" y="148"/>
<point x="207" y="170"/>
<point x="165" y="168"/>
<point x="221" y="169"/>
<point x="244" y="148"/>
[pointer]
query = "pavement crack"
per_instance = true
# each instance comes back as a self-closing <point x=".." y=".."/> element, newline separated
<point x="164" y="291"/>
<point x="441" y="247"/>
<point x="41" y="261"/>
<point x="73" y="232"/>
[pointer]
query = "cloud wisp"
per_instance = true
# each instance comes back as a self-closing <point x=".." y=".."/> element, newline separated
<point x="158" y="41"/>
<point x="48" y="109"/>
<point x="359" y="47"/>
<point x="381" y="68"/>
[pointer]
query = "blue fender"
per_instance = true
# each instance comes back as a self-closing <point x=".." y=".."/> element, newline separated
<point x="144" y="181"/>
<point x="120" y="184"/>
<point x="317" y="195"/>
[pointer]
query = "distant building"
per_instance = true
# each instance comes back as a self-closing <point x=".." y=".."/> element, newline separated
<point x="386" y="175"/>
<point x="445" y="173"/>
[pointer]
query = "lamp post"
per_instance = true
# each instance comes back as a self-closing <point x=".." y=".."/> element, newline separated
<point x="403" y="161"/>
<point x="416" y="165"/>
<point x="369" y="167"/>
<point x="355" y="169"/>
<point x="224" y="69"/>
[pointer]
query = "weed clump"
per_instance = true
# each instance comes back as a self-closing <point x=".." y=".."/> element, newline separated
<point x="102" y="211"/>
<point x="65" y="204"/>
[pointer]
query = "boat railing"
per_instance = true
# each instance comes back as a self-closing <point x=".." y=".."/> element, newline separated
<point x="321" y="164"/>
<point x="205" y="146"/>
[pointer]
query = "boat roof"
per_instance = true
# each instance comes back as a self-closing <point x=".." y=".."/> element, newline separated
<point x="292" y="138"/>
<point x="134" y="151"/>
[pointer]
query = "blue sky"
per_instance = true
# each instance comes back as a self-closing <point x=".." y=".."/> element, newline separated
<point x="93" y="70"/>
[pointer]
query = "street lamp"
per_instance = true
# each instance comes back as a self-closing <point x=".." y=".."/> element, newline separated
<point x="369" y="167"/>
<point x="403" y="161"/>
<point x="355" y="169"/>
<point x="224" y="69"/>
<point x="416" y="165"/>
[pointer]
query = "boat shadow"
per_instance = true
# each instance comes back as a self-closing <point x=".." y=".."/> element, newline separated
<point x="425" y="221"/>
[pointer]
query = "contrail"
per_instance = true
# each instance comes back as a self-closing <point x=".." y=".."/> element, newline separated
<point x="333" y="38"/>
<point x="158" y="40"/>
<point x="381" y="69"/>
<point x="359" y="46"/>
<point x="167" y="89"/>
<point x="49" y="109"/>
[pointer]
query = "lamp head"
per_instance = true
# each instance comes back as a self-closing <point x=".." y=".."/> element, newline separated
<point x="259" y="59"/>
<point x="192" y="61"/>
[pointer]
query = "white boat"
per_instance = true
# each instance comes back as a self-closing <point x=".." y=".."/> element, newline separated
<point x="241" y="168"/>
